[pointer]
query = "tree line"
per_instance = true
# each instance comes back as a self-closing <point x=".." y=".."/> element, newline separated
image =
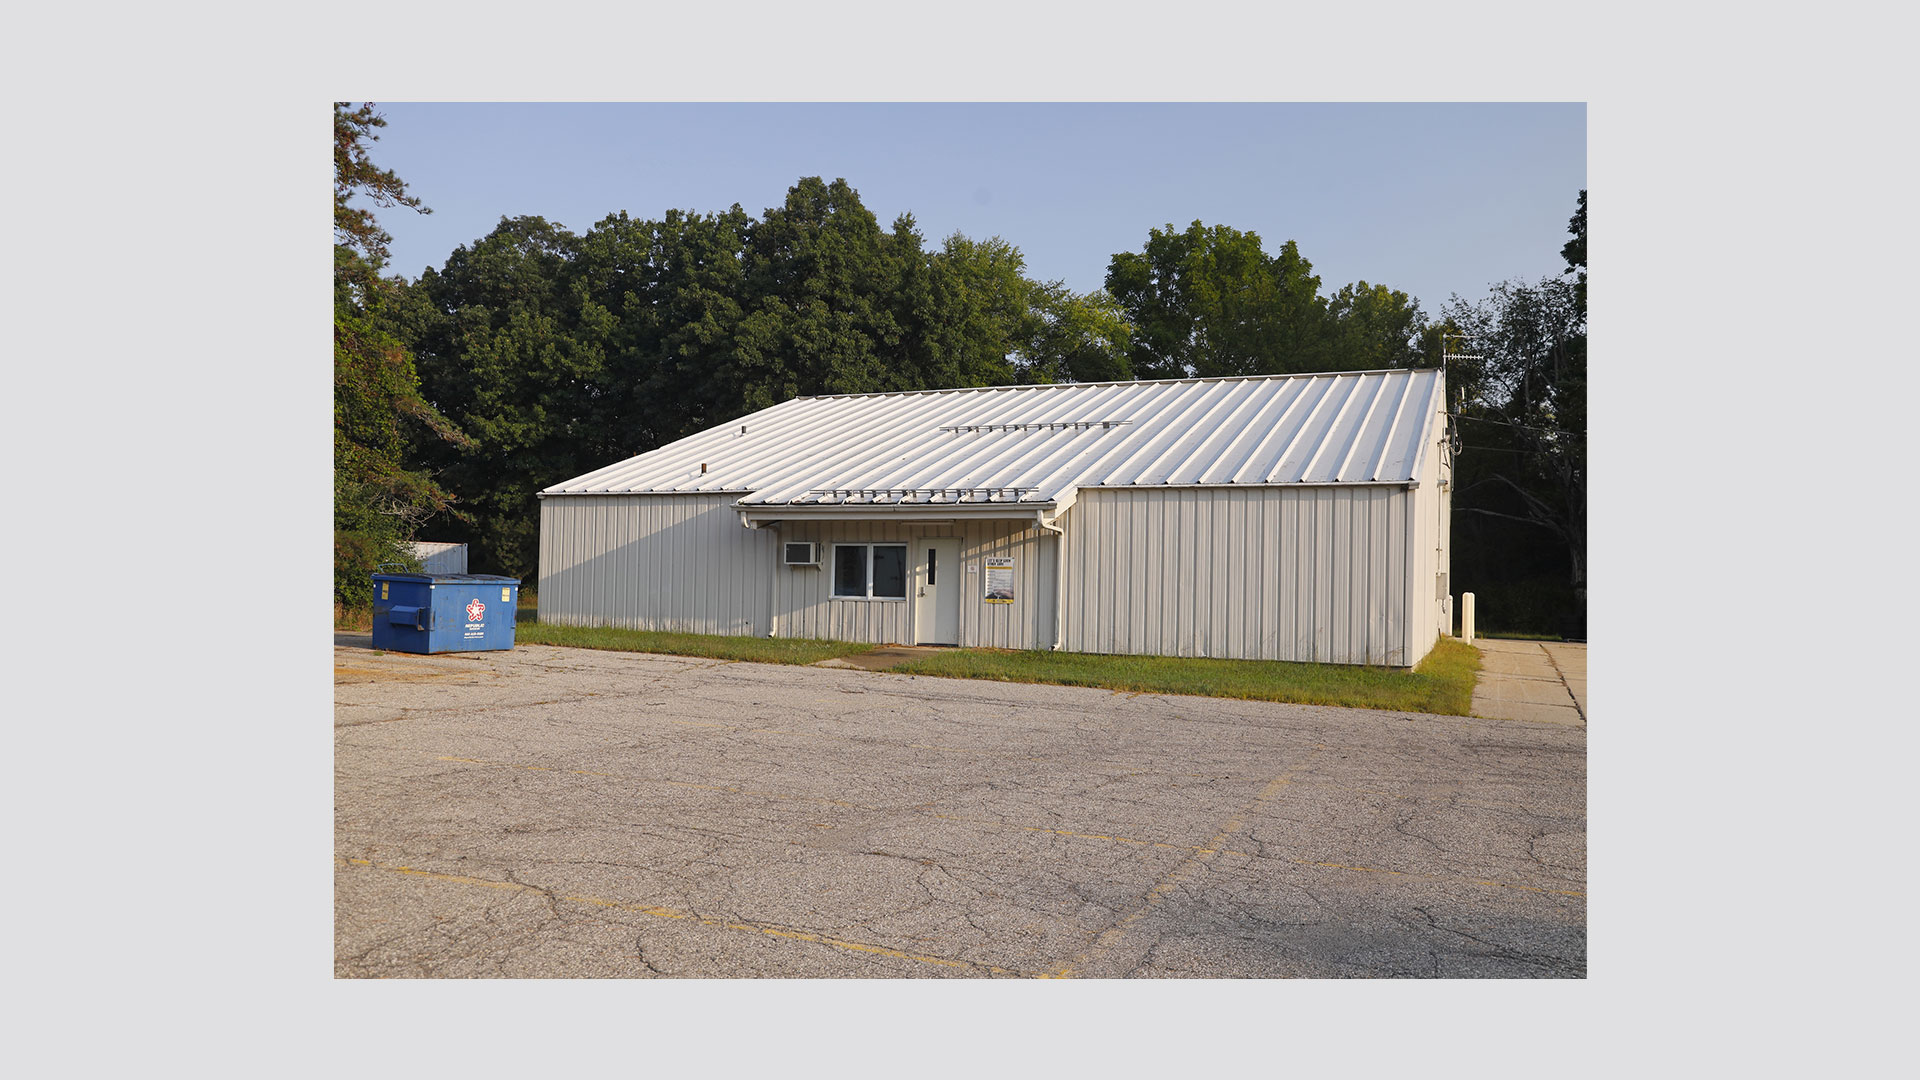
<point x="535" y="354"/>
<point x="1520" y="488"/>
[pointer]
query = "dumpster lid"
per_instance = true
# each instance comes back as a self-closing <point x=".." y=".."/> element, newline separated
<point x="455" y="579"/>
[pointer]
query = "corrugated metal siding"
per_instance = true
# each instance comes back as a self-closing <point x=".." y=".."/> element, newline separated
<point x="1267" y="573"/>
<point x="439" y="557"/>
<point x="684" y="563"/>
<point x="1429" y="540"/>
<point x="1342" y="428"/>
<point x="808" y="609"/>
<point x="654" y="562"/>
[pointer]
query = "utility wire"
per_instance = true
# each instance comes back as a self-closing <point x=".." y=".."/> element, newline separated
<point x="1523" y="427"/>
<point x="1499" y="449"/>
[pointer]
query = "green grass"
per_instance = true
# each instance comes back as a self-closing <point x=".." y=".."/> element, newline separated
<point x="757" y="649"/>
<point x="1442" y="683"/>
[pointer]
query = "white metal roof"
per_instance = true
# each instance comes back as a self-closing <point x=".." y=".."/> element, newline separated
<point x="1038" y="445"/>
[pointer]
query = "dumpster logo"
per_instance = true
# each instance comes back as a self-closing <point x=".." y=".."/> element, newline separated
<point x="475" y="610"/>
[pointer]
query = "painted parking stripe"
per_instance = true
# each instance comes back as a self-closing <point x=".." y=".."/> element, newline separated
<point x="1179" y="875"/>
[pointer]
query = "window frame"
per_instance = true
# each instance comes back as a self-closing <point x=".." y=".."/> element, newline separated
<point x="906" y="568"/>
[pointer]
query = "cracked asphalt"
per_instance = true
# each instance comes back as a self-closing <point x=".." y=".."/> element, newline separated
<point x="551" y="812"/>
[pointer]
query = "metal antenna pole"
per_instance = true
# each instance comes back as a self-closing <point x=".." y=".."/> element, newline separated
<point x="1446" y="357"/>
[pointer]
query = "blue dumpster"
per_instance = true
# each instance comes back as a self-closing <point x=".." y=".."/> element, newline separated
<point x="435" y="613"/>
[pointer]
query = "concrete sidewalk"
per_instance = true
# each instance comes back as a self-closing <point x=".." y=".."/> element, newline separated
<point x="885" y="658"/>
<point x="1532" y="680"/>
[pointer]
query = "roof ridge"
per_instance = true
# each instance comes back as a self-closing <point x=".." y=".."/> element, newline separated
<point x="1110" y="382"/>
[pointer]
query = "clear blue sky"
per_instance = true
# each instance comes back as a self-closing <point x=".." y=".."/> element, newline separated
<point x="1431" y="199"/>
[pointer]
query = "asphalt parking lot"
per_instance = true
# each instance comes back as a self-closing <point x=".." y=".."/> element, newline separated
<point x="551" y="812"/>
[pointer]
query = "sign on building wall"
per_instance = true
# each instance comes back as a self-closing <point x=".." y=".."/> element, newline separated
<point x="999" y="580"/>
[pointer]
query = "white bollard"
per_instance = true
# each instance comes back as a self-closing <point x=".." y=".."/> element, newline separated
<point x="1466" y="617"/>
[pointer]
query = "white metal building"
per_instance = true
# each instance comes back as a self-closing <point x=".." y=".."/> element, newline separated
<point x="1299" y="517"/>
<point x="440" y="557"/>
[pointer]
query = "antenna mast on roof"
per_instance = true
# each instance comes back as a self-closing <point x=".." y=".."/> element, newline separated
<point x="1447" y="357"/>
<point x="1459" y="400"/>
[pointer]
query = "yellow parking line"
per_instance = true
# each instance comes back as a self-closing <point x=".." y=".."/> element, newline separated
<point x="1179" y="874"/>
<point x="510" y="886"/>
<point x="769" y="929"/>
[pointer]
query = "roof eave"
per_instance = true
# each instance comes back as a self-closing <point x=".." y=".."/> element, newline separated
<point x="893" y="511"/>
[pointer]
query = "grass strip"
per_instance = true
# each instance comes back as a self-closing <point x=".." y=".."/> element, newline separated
<point x="756" y="649"/>
<point x="1441" y="683"/>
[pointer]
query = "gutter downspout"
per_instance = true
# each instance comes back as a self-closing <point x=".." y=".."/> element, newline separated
<point x="773" y="584"/>
<point x="1059" y="575"/>
<point x="773" y="576"/>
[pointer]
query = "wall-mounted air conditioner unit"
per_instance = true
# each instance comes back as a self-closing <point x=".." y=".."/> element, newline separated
<point x="803" y="554"/>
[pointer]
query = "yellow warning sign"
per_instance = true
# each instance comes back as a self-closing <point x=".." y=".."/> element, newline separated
<point x="999" y="580"/>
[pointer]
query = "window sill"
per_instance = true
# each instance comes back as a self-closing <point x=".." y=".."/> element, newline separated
<point x="871" y="599"/>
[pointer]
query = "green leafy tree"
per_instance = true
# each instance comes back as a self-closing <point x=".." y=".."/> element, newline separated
<point x="1575" y="253"/>
<point x="1076" y="337"/>
<point x="560" y="353"/>
<point x="969" y="310"/>
<point x="1524" y="423"/>
<point x="821" y="278"/>
<point x="516" y="357"/>
<point x="1372" y="327"/>
<point x="1210" y="301"/>
<point x="355" y="175"/>
<point x="380" y="499"/>
<point x="676" y="351"/>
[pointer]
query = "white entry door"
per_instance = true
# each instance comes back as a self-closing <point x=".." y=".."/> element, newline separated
<point x="936" y="599"/>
